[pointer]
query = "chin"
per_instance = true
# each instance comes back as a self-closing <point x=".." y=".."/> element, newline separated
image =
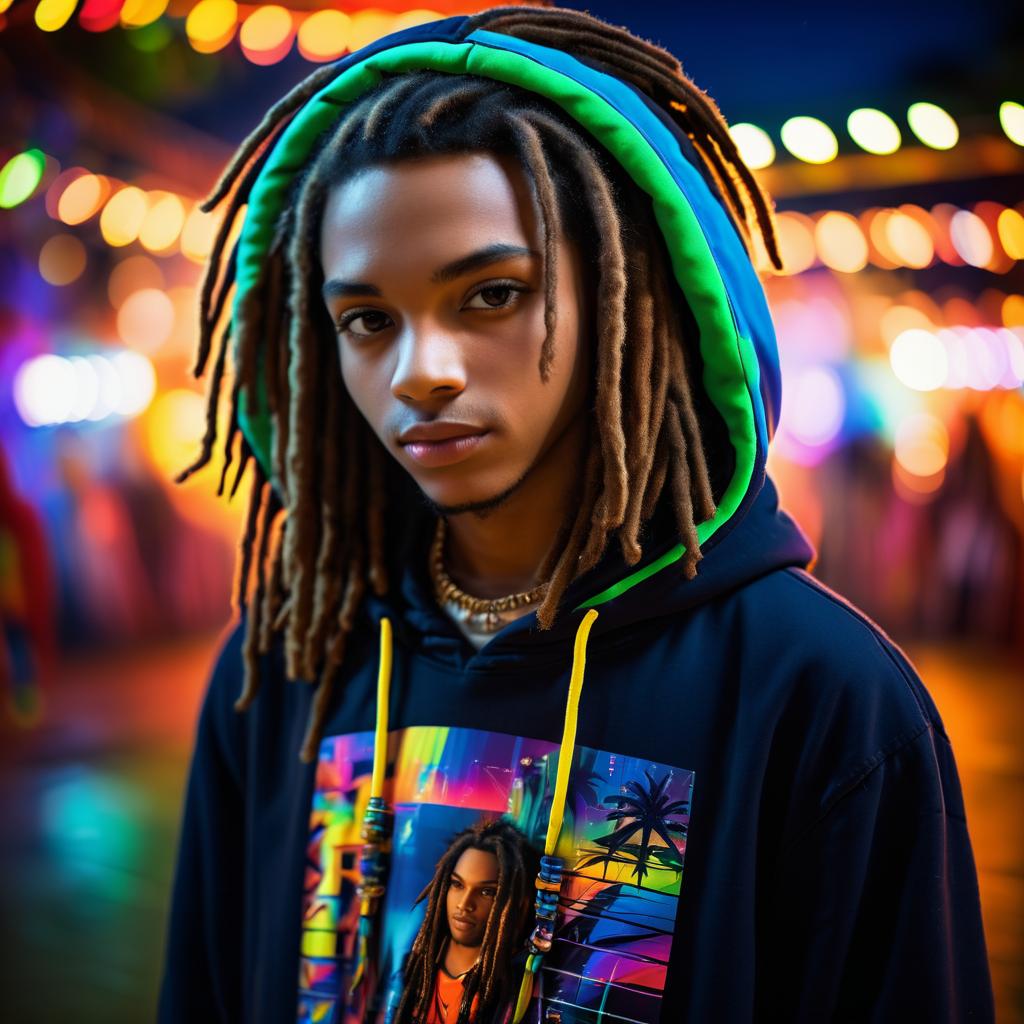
<point x="454" y="497"/>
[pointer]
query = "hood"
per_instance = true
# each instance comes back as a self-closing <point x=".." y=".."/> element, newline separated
<point x="749" y="535"/>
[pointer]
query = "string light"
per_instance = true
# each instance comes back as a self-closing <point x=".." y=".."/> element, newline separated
<point x="933" y="126"/>
<point x="755" y="145"/>
<point x="874" y="131"/>
<point x="810" y="140"/>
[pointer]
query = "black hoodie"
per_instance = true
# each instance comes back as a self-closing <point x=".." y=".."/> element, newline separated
<point x="763" y="818"/>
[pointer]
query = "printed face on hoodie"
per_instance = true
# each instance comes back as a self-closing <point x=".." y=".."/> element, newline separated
<point x="472" y="888"/>
<point x="433" y="277"/>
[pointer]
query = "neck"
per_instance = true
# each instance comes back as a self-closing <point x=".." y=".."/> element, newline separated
<point x="501" y="551"/>
<point x="459" y="959"/>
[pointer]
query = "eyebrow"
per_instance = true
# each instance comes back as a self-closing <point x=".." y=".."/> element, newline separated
<point x="490" y="881"/>
<point x="335" y="289"/>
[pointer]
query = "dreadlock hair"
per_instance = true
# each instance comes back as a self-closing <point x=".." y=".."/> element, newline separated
<point x="316" y="535"/>
<point x="506" y="932"/>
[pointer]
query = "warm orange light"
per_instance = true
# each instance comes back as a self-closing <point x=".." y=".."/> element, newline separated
<point x="145" y="319"/>
<point x="123" y="215"/>
<point x="922" y="445"/>
<point x="840" y="242"/>
<point x="796" y="242"/>
<point x="198" y="234"/>
<point x="131" y="275"/>
<point x="908" y="240"/>
<point x="82" y="198"/>
<point x="368" y="25"/>
<point x="324" y="35"/>
<point x="1013" y="311"/>
<point x="266" y="35"/>
<point x="896" y="320"/>
<point x="163" y="222"/>
<point x="1010" y="226"/>
<point x="62" y="260"/>
<point x="211" y="25"/>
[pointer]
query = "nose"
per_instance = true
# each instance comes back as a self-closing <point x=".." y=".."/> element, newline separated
<point x="429" y="366"/>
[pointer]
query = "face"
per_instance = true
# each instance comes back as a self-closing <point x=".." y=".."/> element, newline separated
<point x="471" y="891"/>
<point x="433" y="278"/>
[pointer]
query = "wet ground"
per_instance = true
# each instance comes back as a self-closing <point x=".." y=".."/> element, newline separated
<point x="91" y="803"/>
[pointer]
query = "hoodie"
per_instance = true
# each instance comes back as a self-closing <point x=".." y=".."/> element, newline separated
<point x="750" y="792"/>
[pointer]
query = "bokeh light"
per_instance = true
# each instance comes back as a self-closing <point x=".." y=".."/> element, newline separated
<point x="138" y="382"/>
<point x="933" y="126"/>
<point x="198" y="234"/>
<point x="145" y="319"/>
<point x="796" y="242"/>
<point x="266" y="35"/>
<point x="100" y="15"/>
<point x="44" y="390"/>
<point x="971" y="238"/>
<point x="899" y="318"/>
<point x="814" y="415"/>
<point x="51" y="389"/>
<point x="82" y="198"/>
<point x="810" y="140"/>
<point x="922" y="444"/>
<point x="840" y="242"/>
<point x="163" y="222"/>
<point x="1011" y="117"/>
<point x="62" y="260"/>
<point x="919" y="360"/>
<point x="1013" y="311"/>
<point x="755" y="145"/>
<point x="173" y="428"/>
<point x="324" y="35"/>
<point x="122" y="217"/>
<point x="874" y="131"/>
<point x="133" y="274"/>
<point x="211" y="25"/>
<point x="52" y="15"/>
<point x="138" y="13"/>
<point x="1010" y="227"/>
<point x="908" y="239"/>
<point x="20" y="177"/>
<point x="368" y="25"/>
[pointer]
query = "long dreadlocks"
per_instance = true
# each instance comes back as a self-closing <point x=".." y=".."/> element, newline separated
<point x="315" y="535"/>
<point x="505" y="934"/>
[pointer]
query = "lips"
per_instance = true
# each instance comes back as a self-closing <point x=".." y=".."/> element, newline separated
<point x="441" y="443"/>
<point x="439" y="430"/>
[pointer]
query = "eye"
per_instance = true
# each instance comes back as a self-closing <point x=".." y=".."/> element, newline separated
<point x="455" y="884"/>
<point x="489" y="893"/>
<point x="501" y="289"/>
<point x="344" y="322"/>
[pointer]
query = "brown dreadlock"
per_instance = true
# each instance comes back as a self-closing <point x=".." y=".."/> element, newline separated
<point x="316" y="529"/>
<point x="505" y="934"/>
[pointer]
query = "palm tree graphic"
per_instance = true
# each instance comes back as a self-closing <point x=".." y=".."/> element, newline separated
<point x="646" y="810"/>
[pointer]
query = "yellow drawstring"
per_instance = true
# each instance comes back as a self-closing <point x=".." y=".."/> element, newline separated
<point x="380" y="737"/>
<point x="376" y="830"/>
<point x="549" y="881"/>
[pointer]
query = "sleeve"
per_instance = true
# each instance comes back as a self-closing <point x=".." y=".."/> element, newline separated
<point x="202" y="970"/>
<point x="873" y="912"/>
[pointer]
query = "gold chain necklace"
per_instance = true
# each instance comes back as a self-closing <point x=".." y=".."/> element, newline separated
<point x="482" y="613"/>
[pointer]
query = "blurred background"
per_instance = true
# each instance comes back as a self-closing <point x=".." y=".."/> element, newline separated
<point x="892" y="138"/>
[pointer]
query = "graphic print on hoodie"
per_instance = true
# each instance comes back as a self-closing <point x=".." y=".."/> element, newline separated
<point x="828" y="871"/>
<point x="623" y="841"/>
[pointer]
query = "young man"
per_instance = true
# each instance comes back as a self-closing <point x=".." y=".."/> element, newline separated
<point x="505" y="378"/>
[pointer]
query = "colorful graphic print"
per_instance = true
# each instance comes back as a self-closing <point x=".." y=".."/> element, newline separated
<point x="623" y="841"/>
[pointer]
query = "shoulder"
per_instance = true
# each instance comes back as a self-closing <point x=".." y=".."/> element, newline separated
<point x="831" y="647"/>
<point x="853" y="701"/>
